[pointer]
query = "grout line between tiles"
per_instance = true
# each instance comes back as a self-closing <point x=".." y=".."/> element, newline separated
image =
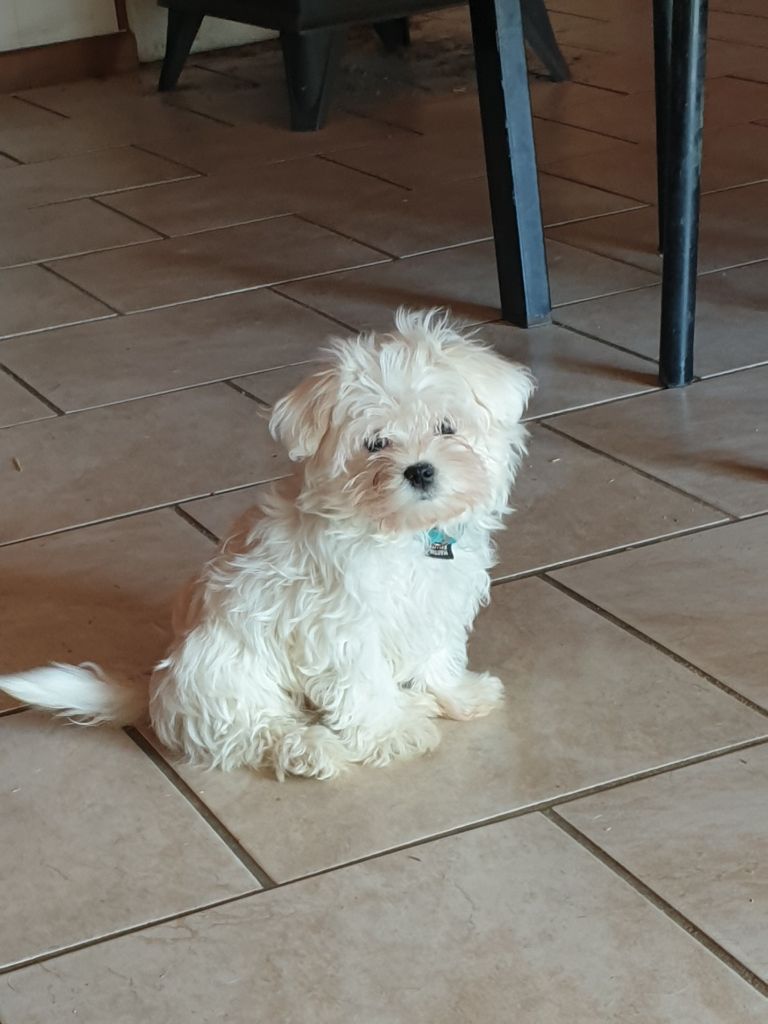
<point x="636" y="469"/>
<point x="568" y="124"/>
<point x="638" y="634"/>
<point x="195" y="523"/>
<point x="539" y="807"/>
<point x="121" y="933"/>
<point x="649" y="389"/>
<point x="666" y="908"/>
<point x="7" y="712"/>
<point x="128" y="216"/>
<point x="195" y="172"/>
<point x="32" y="391"/>
<point x="232" y="383"/>
<point x="40" y="106"/>
<point x="387" y="181"/>
<point x="265" y="880"/>
<point x="52" y="270"/>
<point x="604" y="341"/>
<point x="136" y="512"/>
<point x="318" y="312"/>
<point x="596" y="556"/>
<point x="342" y="234"/>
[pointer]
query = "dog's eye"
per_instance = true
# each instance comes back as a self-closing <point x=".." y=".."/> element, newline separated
<point x="375" y="444"/>
<point x="447" y="428"/>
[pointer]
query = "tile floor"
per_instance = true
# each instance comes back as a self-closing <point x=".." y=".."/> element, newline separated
<point x="597" y="852"/>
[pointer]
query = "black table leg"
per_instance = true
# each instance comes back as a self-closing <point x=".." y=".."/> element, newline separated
<point x="681" y="191"/>
<point x="502" y="80"/>
<point x="662" y="52"/>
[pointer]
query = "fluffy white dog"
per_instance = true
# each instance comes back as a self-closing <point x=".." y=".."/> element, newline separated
<point x="332" y="627"/>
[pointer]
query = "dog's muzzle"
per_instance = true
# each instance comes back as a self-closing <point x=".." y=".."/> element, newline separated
<point x="420" y="475"/>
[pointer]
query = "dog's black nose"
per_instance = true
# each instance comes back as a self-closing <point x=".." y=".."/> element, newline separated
<point x="420" y="474"/>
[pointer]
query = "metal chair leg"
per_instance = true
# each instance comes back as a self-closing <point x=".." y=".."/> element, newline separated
<point x="662" y="57"/>
<point x="681" y="191"/>
<point x="502" y="80"/>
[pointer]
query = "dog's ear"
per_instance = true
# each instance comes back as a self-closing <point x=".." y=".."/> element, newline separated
<point x="301" y="419"/>
<point x="502" y="387"/>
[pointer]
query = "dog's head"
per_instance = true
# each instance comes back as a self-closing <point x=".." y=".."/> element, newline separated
<point x="409" y="430"/>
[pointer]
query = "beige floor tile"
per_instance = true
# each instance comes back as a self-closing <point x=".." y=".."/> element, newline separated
<point x="88" y="174"/>
<point x="421" y="161"/>
<point x="728" y="101"/>
<point x="5" y="161"/>
<point x="217" y="149"/>
<point x="462" y="278"/>
<point x="66" y="229"/>
<point x="213" y="263"/>
<point x="181" y="346"/>
<point x="746" y="62"/>
<point x="571" y="503"/>
<point x="522" y="894"/>
<point x="730" y="304"/>
<point x="708" y="439"/>
<point x="558" y="142"/>
<point x="270" y="385"/>
<point x="17" y="405"/>
<point x="220" y="512"/>
<point x="221" y="200"/>
<point x="97" y="839"/>
<point x="571" y="371"/>
<point x="15" y="113"/>
<point x="702" y="596"/>
<point x="105" y="129"/>
<point x="593" y="706"/>
<point x="425" y="113"/>
<point x="733" y="230"/>
<point x="621" y="33"/>
<point x="453" y="213"/>
<point x="124" y="458"/>
<point x="754" y="7"/>
<point x="416" y="161"/>
<point x="82" y="98"/>
<point x="33" y="299"/>
<point x="695" y="837"/>
<point x="621" y="73"/>
<point x="102" y="593"/>
<point x="739" y="28"/>
<point x="732" y="156"/>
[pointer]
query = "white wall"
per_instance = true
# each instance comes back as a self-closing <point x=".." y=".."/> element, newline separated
<point x="147" y="22"/>
<point x="38" y="22"/>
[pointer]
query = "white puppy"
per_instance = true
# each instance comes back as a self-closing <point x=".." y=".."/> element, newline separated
<point x="332" y="628"/>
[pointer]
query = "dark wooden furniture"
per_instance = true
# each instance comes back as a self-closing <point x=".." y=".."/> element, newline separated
<point x="312" y="37"/>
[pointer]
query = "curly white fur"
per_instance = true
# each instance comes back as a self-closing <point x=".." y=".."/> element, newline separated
<point x="322" y="633"/>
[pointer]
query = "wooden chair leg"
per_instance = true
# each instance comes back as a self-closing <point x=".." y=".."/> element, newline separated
<point x="180" y="34"/>
<point x="311" y="60"/>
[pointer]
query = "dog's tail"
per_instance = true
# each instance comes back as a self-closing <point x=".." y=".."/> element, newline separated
<point x="82" y="692"/>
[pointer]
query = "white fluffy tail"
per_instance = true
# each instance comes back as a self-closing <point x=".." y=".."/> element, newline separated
<point x="82" y="692"/>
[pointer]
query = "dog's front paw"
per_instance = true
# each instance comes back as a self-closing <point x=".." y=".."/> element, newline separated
<point x="410" y="737"/>
<point x="312" y="751"/>
<point x="475" y="695"/>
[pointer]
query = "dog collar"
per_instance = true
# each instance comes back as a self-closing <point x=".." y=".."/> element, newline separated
<point x="439" y="544"/>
